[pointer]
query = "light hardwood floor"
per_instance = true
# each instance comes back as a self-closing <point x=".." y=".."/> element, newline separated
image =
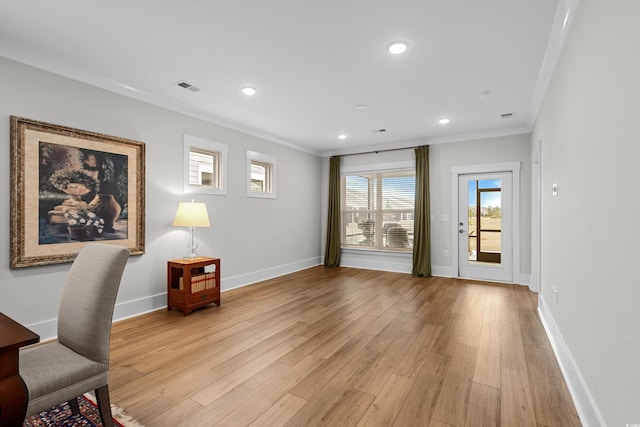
<point x="341" y="347"/>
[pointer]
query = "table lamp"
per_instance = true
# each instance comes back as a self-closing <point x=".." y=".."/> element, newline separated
<point x="192" y="215"/>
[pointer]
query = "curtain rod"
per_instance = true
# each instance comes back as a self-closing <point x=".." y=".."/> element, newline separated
<point x="376" y="151"/>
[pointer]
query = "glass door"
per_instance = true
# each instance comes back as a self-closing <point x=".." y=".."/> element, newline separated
<point x="484" y="223"/>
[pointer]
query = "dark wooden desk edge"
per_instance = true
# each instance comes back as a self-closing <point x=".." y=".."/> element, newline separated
<point x="14" y="396"/>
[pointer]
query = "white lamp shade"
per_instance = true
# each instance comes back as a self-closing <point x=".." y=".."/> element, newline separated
<point x="191" y="214"/>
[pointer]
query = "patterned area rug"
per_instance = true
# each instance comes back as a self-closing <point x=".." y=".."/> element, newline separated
<point x="88" y="417"/>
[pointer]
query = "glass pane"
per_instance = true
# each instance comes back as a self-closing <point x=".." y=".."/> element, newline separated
<point x="357" y="189"/>
<point x="206" y="178"/>
<point x="491" y="241"/>
<point x="473" y="255"/>
<point x="490" y="214"/>
<point x="489" y="183"/>
<point x="398" y="191"/>
<point x="362" y="231"/>
<point x="473" y="224"/>
<point x="258" y="177"/>
<point x="201" y="163"/>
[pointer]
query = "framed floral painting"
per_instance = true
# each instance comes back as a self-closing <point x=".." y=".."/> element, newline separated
<point x="70" y="187"/>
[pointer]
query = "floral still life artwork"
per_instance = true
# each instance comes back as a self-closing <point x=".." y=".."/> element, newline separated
<point x="70" y="187"/>
<point x="83" y="194"/>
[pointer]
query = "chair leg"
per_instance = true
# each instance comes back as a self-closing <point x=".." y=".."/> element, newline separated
<point x="74" y="406"/>
<point x="104" y="405"/>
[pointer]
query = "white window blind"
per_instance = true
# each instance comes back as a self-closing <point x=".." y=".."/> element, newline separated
<point x="378" y="209"/>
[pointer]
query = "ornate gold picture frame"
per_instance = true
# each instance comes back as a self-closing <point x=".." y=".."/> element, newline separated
<point x="70" y="187"/>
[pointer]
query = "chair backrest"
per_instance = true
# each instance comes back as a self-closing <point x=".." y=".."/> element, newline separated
<point x="397" y="237"/>
<point x="88" y="298"/>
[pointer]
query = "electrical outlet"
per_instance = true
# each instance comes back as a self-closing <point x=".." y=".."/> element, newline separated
<point x="555" y="295"/>
<point x="445" y="253"/>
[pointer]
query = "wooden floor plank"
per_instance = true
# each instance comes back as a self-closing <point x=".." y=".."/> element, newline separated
<point x="386" y="406"/>
<point x="417" y="351"/>
<point x="271" y="394"/>
<point x="511" y="346"/>
<point x="280" y="413"/>
<point x="551" y="399"/>
<point x="348" y="410"/>
<point x="516" y="404"/>
<point x="453" y="400"/>
<point x="372" y="380"/>
<point x="341" y="346"/>
<point x="484" y="406"/>
<point x="421" y="400"/>
<point x="325" y="372"/>
<point x="487" y="370"/>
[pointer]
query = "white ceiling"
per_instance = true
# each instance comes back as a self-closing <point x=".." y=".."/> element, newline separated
<point x="312" y="62"/>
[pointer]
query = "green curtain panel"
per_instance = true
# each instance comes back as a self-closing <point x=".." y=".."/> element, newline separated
<point x="421" y="224"/>
<point x="332" y="252"/>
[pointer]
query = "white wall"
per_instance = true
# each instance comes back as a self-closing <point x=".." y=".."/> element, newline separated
<point x="442" y="157"/>
<point x="588" y="126"/>
<point x="255" y="238"/>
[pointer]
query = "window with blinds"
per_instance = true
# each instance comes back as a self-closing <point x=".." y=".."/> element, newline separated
<point x="378" y="209"/>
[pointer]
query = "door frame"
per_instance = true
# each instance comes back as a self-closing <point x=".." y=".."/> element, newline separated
<point x="536" y="204"/>
<point x="514" y="168"/>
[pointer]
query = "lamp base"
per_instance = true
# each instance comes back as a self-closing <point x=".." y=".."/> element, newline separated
<point x="193" y="245"/>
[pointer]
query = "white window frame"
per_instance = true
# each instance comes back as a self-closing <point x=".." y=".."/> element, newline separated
<point x="270" y="162"/>
<point x="372" y="169"/>
<point x="220" y="150"/>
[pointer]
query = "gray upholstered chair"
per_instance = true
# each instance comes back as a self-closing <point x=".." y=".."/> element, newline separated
<point x="397" y="237"/>
<point x="78" y="361"/>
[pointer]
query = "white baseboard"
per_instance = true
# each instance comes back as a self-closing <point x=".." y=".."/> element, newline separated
<point x="266" y="274"/>
<point x="124" y="310"/>
<point x="127" y="309"/>
<point x="585" y="406"/>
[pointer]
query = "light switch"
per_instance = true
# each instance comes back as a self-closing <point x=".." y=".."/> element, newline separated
<point x="554" y="189"/>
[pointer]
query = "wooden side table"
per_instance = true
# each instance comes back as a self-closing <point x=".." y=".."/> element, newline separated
<point x="189" y="286"/>
<point x="14" y="396"/>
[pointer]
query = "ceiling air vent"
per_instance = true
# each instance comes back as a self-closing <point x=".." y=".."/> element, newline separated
<point x="506" y="115"/>
<point x="189" y="86"/>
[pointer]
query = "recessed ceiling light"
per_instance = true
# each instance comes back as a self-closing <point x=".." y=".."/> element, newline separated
<point x="398" y="47"/>
<point x="484" y="94"/>
<point x="249" y="90"/>
<point x="342" y="136"/>
<point x="444" y="121"/>
<point x="361" y="107"/>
